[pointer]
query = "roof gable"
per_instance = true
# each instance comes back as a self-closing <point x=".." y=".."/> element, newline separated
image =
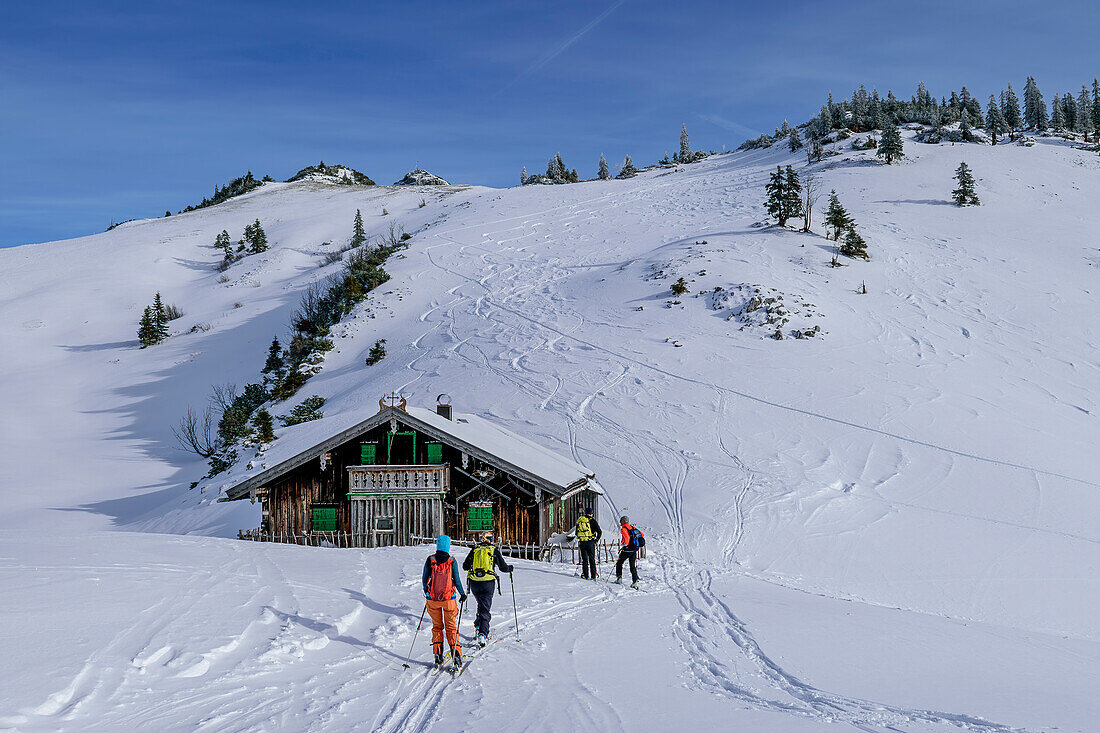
<point x="470" y="433"/>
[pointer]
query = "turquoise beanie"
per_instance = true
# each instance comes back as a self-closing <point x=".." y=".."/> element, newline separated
<point x="443" y="544"/>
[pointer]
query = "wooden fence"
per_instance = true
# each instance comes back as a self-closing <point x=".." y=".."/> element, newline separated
<point x="606" y="552"/>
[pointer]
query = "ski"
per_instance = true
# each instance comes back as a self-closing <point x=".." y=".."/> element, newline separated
<point x="439" y="667"/>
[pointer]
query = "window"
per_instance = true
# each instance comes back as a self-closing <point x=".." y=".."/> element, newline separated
<point x="383" y="524"/>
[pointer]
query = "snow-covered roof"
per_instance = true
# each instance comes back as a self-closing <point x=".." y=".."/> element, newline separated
<point x="473" y="434"/>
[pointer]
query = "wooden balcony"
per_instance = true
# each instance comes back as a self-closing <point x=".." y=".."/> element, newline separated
<point x="367" y="481"/>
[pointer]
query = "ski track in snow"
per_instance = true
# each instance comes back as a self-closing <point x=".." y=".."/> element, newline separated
<point x="505" y="306"/>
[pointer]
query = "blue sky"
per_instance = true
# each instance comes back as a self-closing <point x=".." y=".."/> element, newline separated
<point x="114" y="110"/>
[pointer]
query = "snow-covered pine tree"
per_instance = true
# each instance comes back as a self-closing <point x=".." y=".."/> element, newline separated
<point x="256" y="238"/>
<point x="627" y="169"/>
<point x="854" y="245"/>
<point x="836" y="216"/>
<point x="523" y="176"/>
<point x="358" y="234"/>
<point x="964" y="126"/>
<point x="1057" y="118"/>
<point x="1069" y="111"/>
<point x="994" y="120"/>
<point x="1035" y="110"/>
<point x="264" y="426"/>
<point x="1010" y="109"/>
<point x="826" y="118"/>
<point x="561" y="174"/>
<point x="795" y="140"/>
<point x="604" y="172"/>
<point x="160" y="319"/>
<point x="890" y="147"/>
<point x="146" y="333"/>
<point x="1096" y="109"/>
<point x="964" y="195"/>
<point x="1084" y="113"/>
<point x="685" y="145"/>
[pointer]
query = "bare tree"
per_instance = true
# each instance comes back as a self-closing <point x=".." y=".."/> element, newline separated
<point x="222" y="396"/>
<point x="196" y="433"/>
<point x="811" y="192"/>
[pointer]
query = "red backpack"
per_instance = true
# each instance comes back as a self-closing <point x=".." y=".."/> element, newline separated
<point x="441" y="581"/>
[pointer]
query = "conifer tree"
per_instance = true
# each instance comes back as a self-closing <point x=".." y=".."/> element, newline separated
<point x="604" y="172"/>
<point x="836" y="216"/>
<point x="147" y="335"/>
<point x="994" y="120"/>
<point x="160" y="319"/>
<point x="1096" y="108"/>
<point x="1010" y="109"/>
<point x="1057" y="118"/>
<point x="523" y="176"/>
<point x="964" y="195"/>
<point x="257" y="242"/>
<point x="274" y="365"/>
<point x="627" y="169"/>
<point x="793" y="193"/>
<point x="358" y="234"/>
<point x="783" y="195"/>
<point x="225" y="244"/>
<point x="964" y="126"/>
<point x="264" y="426"/>
<point x="1084" y="113"/>
<point x="890" y="147"/>
<point x="685" y="145"/>
<point x="854" y="245"/>
<point x="795" y="140"/>
<point x="1035" y="111"/>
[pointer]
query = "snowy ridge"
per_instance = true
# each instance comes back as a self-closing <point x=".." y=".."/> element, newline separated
<point x="889" y="526"/>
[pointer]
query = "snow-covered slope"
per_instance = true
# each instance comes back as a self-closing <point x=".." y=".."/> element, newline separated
<point x="889" y="523"/>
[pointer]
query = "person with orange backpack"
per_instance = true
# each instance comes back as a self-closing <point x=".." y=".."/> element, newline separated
<point x="633" y="540"/>
<point x="443" y="592"/>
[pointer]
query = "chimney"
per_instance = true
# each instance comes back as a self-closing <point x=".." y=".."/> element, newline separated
<point x="443" y="406"/>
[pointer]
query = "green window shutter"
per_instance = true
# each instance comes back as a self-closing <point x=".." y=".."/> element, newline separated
<point x="324" y="519"/>
<point x="434" y="452"/>
<point x="368" y="453"/>
<point x="479" y="518"/>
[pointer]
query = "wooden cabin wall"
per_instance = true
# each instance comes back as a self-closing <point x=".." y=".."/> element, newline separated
<point x="414" y="516"/>
<point x="290" y="500"/>
<point x="512" y="523"/>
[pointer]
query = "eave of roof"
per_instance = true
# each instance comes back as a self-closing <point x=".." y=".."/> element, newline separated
<point x="540" y="460"/>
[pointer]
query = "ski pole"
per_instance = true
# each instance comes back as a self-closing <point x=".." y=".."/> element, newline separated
<point x="406" y="664"/>
<point x="513" y="581"/>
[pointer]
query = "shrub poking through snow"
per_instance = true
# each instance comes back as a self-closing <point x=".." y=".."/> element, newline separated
<point x="309" y="409"/>
<point x="679" y="287"/>
<point x="377" y="352"/>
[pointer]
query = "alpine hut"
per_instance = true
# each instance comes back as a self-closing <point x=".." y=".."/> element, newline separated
<point x="408" y="473"/>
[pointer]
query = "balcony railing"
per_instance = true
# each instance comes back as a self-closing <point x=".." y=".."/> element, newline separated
<point x="373" y="480"/>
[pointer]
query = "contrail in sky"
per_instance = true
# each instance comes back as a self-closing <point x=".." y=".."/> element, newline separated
<point x="561" y="47"/>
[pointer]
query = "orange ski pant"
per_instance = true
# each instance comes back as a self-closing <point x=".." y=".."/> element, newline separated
<point x="444" y="614"/>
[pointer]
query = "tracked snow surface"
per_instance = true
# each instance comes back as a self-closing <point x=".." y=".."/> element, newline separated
<point x="891" y="525"/>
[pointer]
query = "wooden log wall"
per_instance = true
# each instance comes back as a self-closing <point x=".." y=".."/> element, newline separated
<point x="512" y="523"/>
<point x="413" y="516"/>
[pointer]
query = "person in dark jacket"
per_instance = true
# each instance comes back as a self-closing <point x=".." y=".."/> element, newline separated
<point x="443" y="592"/>
<point x="480" y="565"/>
<point x="588" y="533"/>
